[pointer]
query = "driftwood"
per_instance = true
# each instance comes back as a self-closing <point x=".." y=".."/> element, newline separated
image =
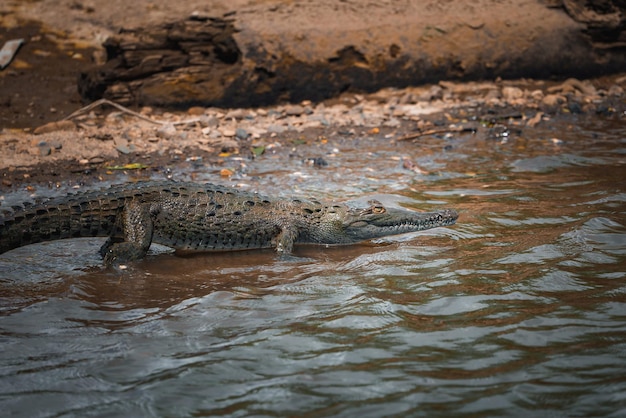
<point x="605" y="20"/>
<point x="186" y="62"/>
<point x="208" y="61"/>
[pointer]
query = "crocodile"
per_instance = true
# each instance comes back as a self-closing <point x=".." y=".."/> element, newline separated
<point x="190" y="216"/>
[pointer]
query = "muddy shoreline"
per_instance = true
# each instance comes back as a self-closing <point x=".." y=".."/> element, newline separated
<point x="43" y="143"/>
<point x="106" y="142"/>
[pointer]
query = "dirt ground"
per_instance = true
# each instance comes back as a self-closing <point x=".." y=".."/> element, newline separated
<point x="43" y="142"/>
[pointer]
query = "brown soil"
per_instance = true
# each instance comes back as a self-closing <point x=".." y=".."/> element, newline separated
<point x="40" y="84"/>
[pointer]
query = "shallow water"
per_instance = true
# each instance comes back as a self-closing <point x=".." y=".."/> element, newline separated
<point x="518" y="310"/>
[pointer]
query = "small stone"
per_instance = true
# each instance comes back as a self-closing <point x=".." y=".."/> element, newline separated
<point x="257" y="131"/>
<point x="62" y="125"/>
<point x="316" y="161"/>
<point x="241" y="133"/>
<point x="537" y="95"/>
<point x="492" y="95"/>
<point x="226" y="172"/>
<point x="166" y="131"/>
<point x="615" y="90"/>
<point x="236" y="114"/>
<point x="552" y="100"/>
<point x="209" y="121"/>
<point x="433" y="93"/>
<point x="196" y="111"/>
<point x="535" y="119"/>
<point x="96" y="160"/>
<point x="294" y="110"/>
<point x="124" y="149"/>
<point x="319" y="118"/>
<point x="311" y="124"/>
<point x="392" y="123"/>
<point x="575" y="108"/>
<point x="44" y="149"/>
<point x="228" y="132"/>
<point x="114" y="117"/>
<point x="512" y="93"/>
<point x="276" y="129"/>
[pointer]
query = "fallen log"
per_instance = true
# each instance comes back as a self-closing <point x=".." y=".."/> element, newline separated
<point x="235" y="61"/>
<point x="180" y="63"/>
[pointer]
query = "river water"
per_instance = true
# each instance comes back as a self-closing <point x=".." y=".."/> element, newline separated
<point x="518" y="310"/>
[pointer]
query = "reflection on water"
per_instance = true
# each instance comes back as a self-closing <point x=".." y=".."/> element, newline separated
<point x="518" y="310"/>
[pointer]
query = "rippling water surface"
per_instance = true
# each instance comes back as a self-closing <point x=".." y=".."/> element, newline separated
<point x="518" y="310"/>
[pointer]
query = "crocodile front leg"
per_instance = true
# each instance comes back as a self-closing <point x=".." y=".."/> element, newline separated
<point x="137" y="229"/>
<point x="286" y="239"/>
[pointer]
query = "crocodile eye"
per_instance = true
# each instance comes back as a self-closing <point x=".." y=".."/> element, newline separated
<point x="375" y="207"/>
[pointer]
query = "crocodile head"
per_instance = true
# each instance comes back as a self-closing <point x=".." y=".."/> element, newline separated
<point x="343" y="224"/>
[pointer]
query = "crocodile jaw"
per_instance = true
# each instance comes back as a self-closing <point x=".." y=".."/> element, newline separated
<point x="345" y="224"/>
<point x="395" y="222"/>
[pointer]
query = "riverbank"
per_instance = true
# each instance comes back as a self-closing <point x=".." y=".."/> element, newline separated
<point x="47" y="138"/>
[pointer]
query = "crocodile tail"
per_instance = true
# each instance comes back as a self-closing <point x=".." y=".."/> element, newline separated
<point x="54" y="221"/>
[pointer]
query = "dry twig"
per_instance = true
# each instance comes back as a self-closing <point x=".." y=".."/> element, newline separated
<point x="123" y="109"/>
<point x="432" y="132"/>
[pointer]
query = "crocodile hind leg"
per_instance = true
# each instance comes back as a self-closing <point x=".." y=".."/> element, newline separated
<point x="134" y="242"/>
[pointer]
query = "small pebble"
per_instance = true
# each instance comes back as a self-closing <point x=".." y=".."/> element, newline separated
<point x="196" y="111"/>
<point x="512" y="93"/>
<point x="166" y="131"/>
<point x="236" y="114"/>
<point x="294" y="110"/>
<point x="124" y="149"/>
<point x="276" y="129"/>
<point x="615" y="90"/>
<point x="552" y="100"/>
<point x="241" y="133"/>
<point x="316" y="162"/>
<point x="62" y="125"/>
<point x="209" y="121"/>
<point x="44" y="149"/>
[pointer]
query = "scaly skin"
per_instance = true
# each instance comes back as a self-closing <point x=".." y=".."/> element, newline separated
<point x="190" y="216"/>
